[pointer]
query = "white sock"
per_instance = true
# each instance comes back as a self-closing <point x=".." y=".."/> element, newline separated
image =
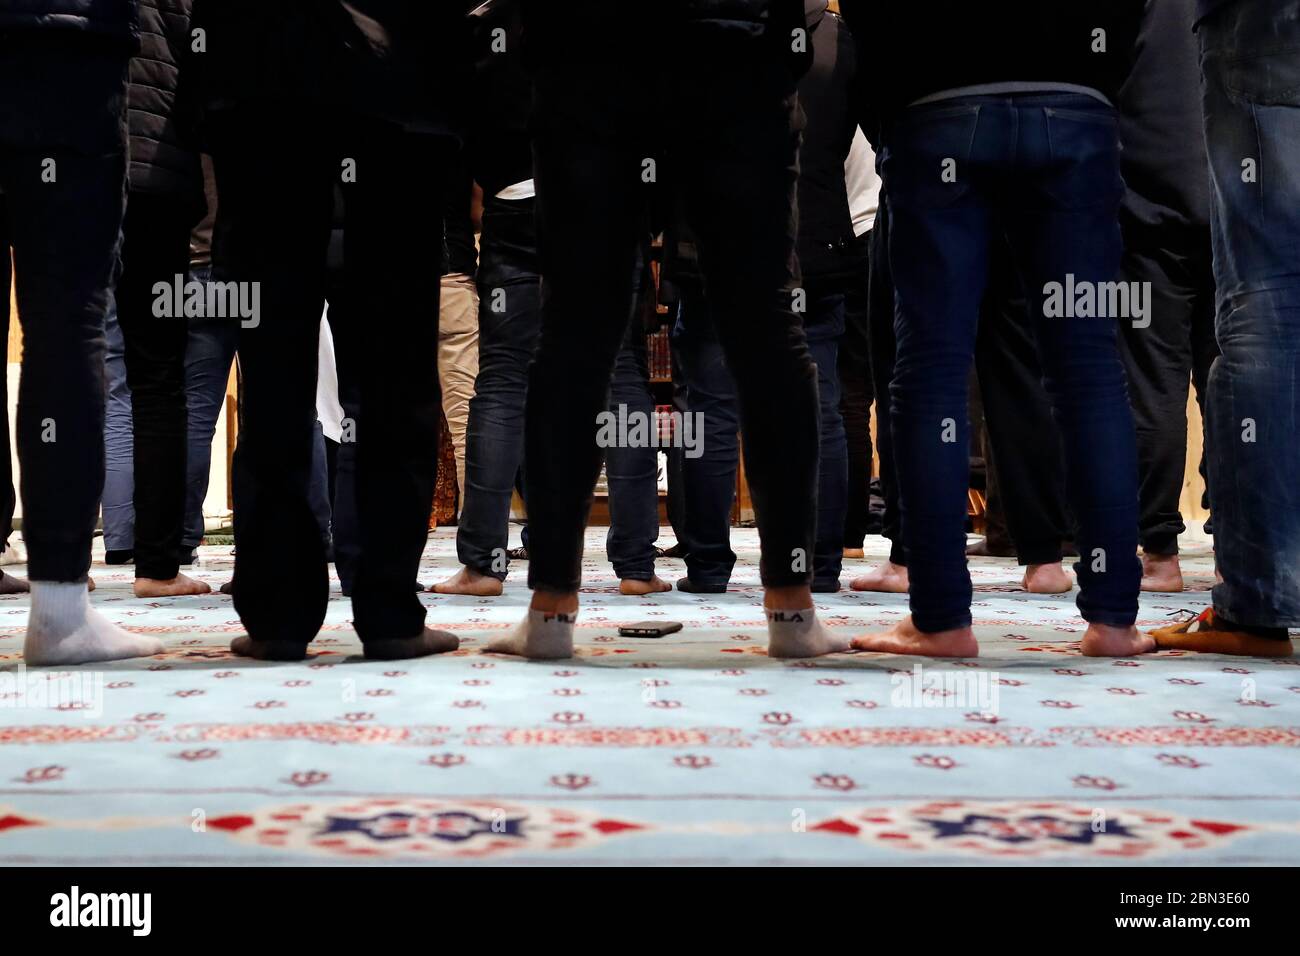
<point x="64" y="629"/>
<point x="544" y="635"/>
<point x="800" y="634"/>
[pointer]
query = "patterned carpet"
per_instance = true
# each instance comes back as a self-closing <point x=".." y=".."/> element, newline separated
<point x="695" y="748"/>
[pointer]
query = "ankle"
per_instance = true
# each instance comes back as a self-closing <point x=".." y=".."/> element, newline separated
<point x="795" y="598"/>
<point x="554" y="602"/>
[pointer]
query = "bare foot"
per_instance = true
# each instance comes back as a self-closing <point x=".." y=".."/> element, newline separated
<point x="889" y="577"/>
<point x="423" y="645"/>
<point x="1102" y="640"/>
<point x="904" y="638"/>
<point x="245" y="646"/>
<point x="1161" y="572"/>
<point x="1046" y="579"/>
<point x="653" y="586"/>
<point x="469" y="581"/>
<point x="854" y="553"/>
<point x="12" y="585"/>
<point x="177" y="586"/>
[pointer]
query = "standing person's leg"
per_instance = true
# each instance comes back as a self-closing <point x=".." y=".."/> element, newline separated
<point x="1025" y="441"/>
<point x="458" y="361"/>
<point x="1063" y="222"/>
<point x="392" y="231"/>
<point x="1252" y="131"/>
<point x="590" y="211"/>
<point x="738" y="148"/>
<point x="890" y="577"/>
<point x="275" y="178"/>
<point x="1157" y="357"/>
<point x="708" y="477"/>
<point x="156" y="249"/>
<point x="118" y="504"/>
<point x="632" y="471"/>
<point x="209" y="353"/>
<point x="939" y="251"/>
<point x="857" y="397"/>
<point x="8" y="498"/>
<point x="66" y="114"/>
<point x="824" y="326"/>
<point x="509" y="323"/>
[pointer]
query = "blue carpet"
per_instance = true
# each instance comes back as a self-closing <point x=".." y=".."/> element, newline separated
<point x="695" y="748"/>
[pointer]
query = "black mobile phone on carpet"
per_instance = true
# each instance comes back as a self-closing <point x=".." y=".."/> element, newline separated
<point x="649" y="629"/>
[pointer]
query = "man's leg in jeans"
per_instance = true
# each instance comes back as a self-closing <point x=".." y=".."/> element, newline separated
<point x="590" y="206"/>
<point x="890" y="577"/>
<point x="117" y="507"/>
<point x="632" y="472"/>
<point x="1250" y="58"/>
<point x="208" y="355"/>
<point x="939" y="243"/>
<point x="824" y="326"/>
<point x="275" y="180"/>
<point x="69" y="108"/>
<point x="509" y="323"/>
<point x="738" y="150"/>
<point x="392" y="231"/>
<point x="1062" y="219"/>
<point x="709" y="476"/>
<point x="155" y="248"/>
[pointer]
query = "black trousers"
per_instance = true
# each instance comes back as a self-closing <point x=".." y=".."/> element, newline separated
<point x="883" y="352"/>
<point x="729" y="136"/>
<point x="1179" y="344"/>
<point x="155" y="248"/>
<point x="1024" y="451"/>
<point x="857" y="394"/>
<point x="276" y="174"/>
<point x="63" y="172"/>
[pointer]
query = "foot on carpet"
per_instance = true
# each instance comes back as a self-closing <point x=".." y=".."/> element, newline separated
<point x="245" y="646"/>
<point x="1161" y="573"/>
<point x="400" y="649"/>
<point x="905" y="638"/>
<point x="635" y="588"/>
<point x="12" y="585"/>
<point x="64" y="629"/>
<point x="889" y="578"/>
<point x="798" y="633"/>
<point x="1212" y="633"/>
<point x="1102" y="640"/>
<point x="1047" y="579"/>
<point x="469" y="581"/>
<point x="687" y="586"/>
<point x="542" y="635"/>
<point x="177" y="587"/>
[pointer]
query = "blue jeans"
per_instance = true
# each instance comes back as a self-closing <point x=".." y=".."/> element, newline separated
<point x="710" y="479"/>
<point x="1250" y="61"/>
<point x="510" y="320"/>
<point x="632" y="472"/>
<point x="208" y="354"/>
<point x="119" y="454"/>
<point x="1042" y="169"/>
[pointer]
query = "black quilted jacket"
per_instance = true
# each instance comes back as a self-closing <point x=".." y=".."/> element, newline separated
<point x="115" y="20"/>
<point x="163" y="160"/>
